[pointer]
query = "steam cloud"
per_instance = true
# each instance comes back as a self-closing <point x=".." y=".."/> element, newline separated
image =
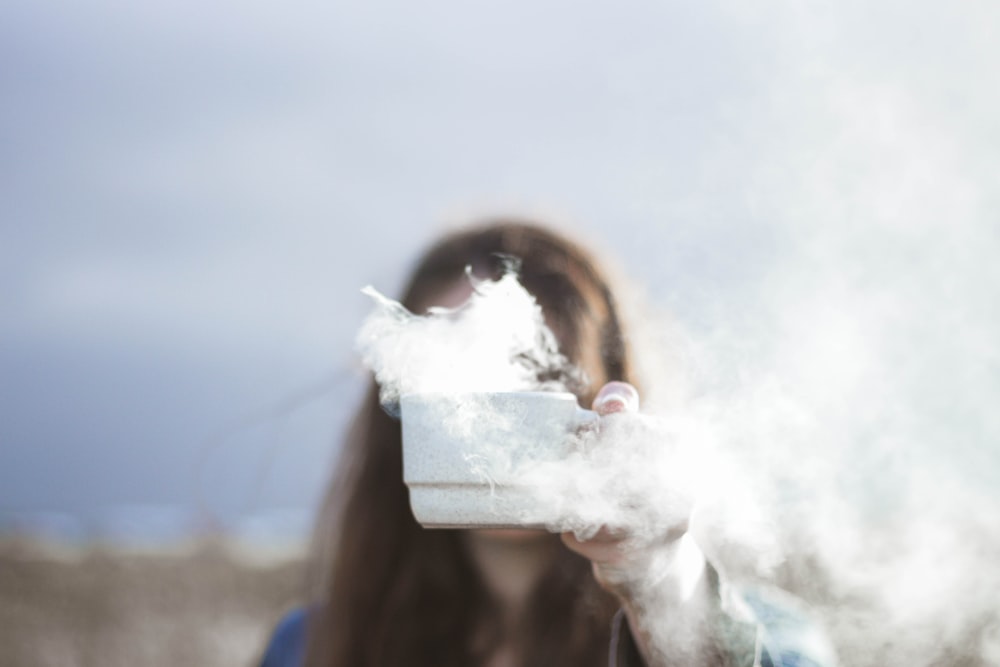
<point x="636" y="473"/>
<point x="496" y="341"/>
<point x="806" y="462"/>
<point x="850" y="383"/>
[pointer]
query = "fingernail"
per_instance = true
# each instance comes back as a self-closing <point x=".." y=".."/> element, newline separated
<point x="617" y="397"/>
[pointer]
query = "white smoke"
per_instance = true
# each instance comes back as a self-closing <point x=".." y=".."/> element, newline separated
<point x="643" y="474"/>
<point x="636" y="472"/>
<point x="851" y="457"/>
<point x="850" y="390"/>
<point x="496" y="341"/>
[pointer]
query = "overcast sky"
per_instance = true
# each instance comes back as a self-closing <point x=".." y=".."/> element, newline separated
<point x="193" y="194"/>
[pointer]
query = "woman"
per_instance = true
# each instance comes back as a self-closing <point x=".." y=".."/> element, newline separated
<point x="391" y="593"/>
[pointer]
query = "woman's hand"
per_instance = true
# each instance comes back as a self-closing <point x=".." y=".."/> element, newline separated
<point x="660" y="580"/>
<point x="622" y="560"/>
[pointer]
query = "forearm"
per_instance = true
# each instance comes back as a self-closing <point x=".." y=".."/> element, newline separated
<point x="670" y="599"/>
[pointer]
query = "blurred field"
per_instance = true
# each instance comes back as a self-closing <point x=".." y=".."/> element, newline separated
<point x="205" y="604"/>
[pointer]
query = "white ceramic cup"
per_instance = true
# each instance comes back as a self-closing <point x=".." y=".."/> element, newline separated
<point x="465" y="455"/>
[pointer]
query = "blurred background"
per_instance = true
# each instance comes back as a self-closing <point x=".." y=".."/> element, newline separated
<point x="193" y="194"/>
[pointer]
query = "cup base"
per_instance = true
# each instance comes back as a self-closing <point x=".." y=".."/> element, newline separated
<point x="473" y="506"/>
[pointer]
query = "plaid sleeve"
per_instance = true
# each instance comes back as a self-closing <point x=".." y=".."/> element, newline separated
<point x="756" y="626"/>
<point x="737" y="637"/>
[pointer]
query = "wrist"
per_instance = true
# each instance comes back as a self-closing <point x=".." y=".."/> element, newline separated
<point x="668" y="603"/>
<point x="669" y="571"/>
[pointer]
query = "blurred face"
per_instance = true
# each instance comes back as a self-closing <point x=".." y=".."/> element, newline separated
<point x="454" y="296"/>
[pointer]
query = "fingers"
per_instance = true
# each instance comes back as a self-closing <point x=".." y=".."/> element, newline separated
<point x="609" y="549"/>
<point x="617" y="563"/>
<point x="616" y="397"/>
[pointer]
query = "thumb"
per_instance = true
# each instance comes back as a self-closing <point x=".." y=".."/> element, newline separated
<point x="616" y="397"/>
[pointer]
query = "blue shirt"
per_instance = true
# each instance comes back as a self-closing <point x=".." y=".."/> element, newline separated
<point x="763" y="627"/>
<point x="288" y="642"/>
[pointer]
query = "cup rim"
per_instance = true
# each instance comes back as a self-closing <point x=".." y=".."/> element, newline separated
<point x="447" y="394"/>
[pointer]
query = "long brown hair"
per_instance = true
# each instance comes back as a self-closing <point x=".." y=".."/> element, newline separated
<point x="393" y="593"/>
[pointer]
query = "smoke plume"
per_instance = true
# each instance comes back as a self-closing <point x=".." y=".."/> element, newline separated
<point x="841" y="446"/>
<point x="496" y="341"/>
